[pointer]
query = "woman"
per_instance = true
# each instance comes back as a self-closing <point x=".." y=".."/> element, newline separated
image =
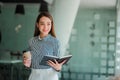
<point x="43" y="43"/>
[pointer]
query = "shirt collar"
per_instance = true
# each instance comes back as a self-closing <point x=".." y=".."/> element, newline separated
<point x="45" y="38"/>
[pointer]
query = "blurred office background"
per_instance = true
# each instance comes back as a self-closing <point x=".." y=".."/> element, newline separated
<point x="87" y="29"/>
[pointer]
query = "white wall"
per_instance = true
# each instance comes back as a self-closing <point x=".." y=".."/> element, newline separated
<point x="64" y="13"/>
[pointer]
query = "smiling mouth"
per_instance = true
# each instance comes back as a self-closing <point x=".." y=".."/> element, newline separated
<point x="45" y="30"/>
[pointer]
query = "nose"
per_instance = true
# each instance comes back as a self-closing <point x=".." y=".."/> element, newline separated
<point x="45" y="26"/>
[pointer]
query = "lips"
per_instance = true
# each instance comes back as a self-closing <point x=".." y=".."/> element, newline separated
<point x="45" y="30"/>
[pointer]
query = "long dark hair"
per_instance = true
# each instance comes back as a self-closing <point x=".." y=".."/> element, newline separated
<point x="46" y="14"/>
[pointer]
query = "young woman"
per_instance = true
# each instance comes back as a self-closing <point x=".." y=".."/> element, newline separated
<point x="43" y="43"/>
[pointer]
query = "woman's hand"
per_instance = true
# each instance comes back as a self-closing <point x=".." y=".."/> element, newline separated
<point x="57" y="66"/>
<point x="26" y="62"/>
<point x="27" y="59"/>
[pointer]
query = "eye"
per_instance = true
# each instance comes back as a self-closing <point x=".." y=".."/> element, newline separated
<point x="48" y="24"/>
<point x="41" y="23"/>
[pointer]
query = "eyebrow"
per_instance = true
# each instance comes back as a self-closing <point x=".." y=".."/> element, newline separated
<point x="43" y="22"/>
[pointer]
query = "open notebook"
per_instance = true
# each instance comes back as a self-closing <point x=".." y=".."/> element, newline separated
<point x="52" y="58"/>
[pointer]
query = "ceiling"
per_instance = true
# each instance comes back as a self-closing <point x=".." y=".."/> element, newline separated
<point x="98" y="4"/>
<point x="83" y="4"/>
<point x="20" y="1"/>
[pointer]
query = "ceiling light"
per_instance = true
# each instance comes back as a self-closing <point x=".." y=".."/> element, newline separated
<point x="20" y="9"/>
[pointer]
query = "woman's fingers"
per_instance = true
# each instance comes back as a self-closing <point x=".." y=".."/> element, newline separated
<point x="55" y="64"/>
<point x="63" y="62"/>
<point x="26" y="62"/>
<point x="55" y="61"/>
<point x="51" y="63"/>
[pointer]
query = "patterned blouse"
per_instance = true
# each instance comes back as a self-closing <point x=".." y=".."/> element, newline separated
<point x="38" y="47"/>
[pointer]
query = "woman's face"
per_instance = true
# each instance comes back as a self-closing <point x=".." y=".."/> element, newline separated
<point x="44" y="25"/>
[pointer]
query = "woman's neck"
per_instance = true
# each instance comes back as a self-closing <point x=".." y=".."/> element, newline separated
<point x="42" y="36"/>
